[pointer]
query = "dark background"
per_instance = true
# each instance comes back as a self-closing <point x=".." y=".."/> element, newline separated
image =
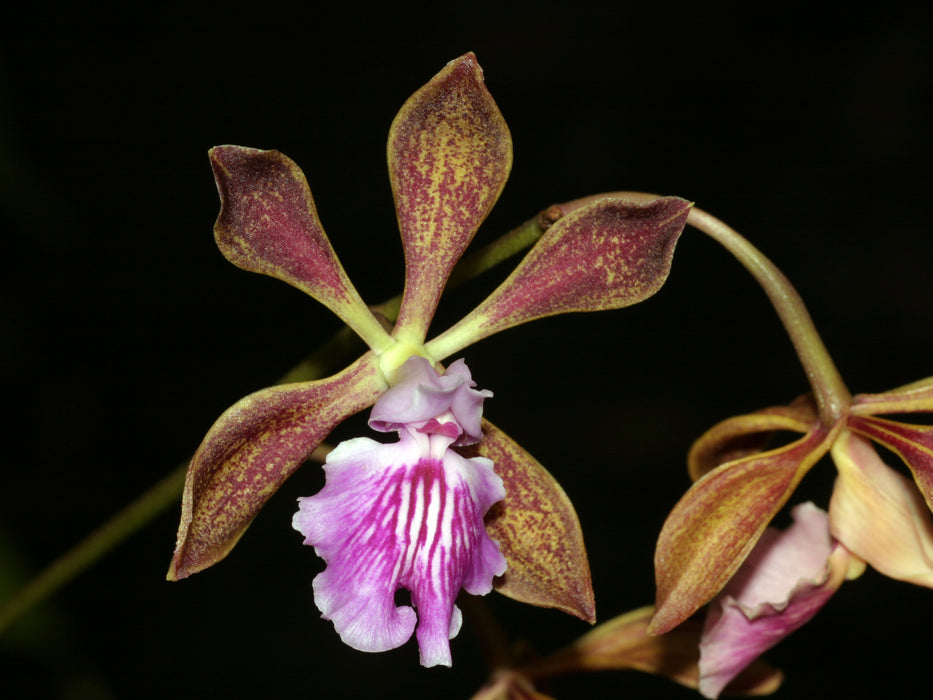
<point x="125" y="333"/>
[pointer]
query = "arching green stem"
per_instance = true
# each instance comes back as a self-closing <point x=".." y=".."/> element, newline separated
<point x="831" y="394"/>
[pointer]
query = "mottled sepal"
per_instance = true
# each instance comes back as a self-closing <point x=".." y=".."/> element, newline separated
<point x="912" y="443"/>
<point x="450" y="153"/>
<point x="714" y="526"/>
<point x="606" y="255"/>
<point x="879" y="515"/>
<point x="784" y="582"/>
<point x="538" y="531"/>
<point x="268" y="224"/>
<point x="252" y="449"/>
<point x="624" y="643"/>
<point x="742" y="436"/>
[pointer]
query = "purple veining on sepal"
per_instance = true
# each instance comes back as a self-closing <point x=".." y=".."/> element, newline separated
<point x="784" y="582"/>
<point x="421" y="395"/>
<point x="405" y="515"/>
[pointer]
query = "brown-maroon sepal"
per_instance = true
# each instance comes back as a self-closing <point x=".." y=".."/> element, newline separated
<point x="714" y="527"/>
<point x="538" y="532"/>
<point x="251" y="450"/>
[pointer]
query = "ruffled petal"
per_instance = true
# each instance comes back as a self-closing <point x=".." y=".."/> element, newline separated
<point x="268" y="224"/>
<point x="879" y="515"/>
<point x="390" y="517"/>
<point x="786" y="579"/>
<point x="450" y="153"/>
<point x="421" y="394"/>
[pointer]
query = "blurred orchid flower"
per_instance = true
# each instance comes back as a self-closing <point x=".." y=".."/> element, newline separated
<point x="449" y="155"/>
<point x="875" y="513"/>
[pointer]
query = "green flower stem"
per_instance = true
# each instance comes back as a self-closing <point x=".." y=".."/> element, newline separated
<point x="323" y="362"/>
<point x="831" y="394"/>
<point x="102" y="540"/>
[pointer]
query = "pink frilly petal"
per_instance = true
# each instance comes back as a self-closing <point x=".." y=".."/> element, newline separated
<point x="392" y="517"/>
<point x="786" y="579"/>
<point x="422" y="395"/>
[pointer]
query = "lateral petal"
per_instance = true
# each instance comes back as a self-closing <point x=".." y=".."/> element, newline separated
<point x="879" y="515"/>
<point x="537" y="530"/>
<point x="252" y="449"/>
<point x="608" y="254"/>
<point x="912" y="443"/>
<point x="449" y="153"/>
<point x="268" y="224"/>
<point x="714" y="527"/>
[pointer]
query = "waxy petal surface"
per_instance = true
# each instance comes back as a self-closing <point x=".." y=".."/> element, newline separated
<point x="390" y="517"/>
<point x="714" y="526"/>
<point x="450" y="153"/>
<point x="538" y="532"/>
<point x="607" y="255"/>
<point x="783" y="583"/>
<point x="268" y="224"/>
<point x="741" y="436"/>
<point x="252" y="449"/>
<point x="879" y="515"/>
<point x="624" y="643"/>
<point x="912" y="443"/>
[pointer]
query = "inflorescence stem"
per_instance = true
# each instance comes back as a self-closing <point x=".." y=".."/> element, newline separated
<point x="832" y="396"/>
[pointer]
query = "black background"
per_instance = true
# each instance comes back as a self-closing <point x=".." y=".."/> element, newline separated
<point x="125" y="333"/>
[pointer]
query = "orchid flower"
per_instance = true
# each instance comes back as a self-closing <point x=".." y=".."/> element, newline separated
<point x="782" y="584"/>
<point x="879" y="516"/>
<point x="410" y="514"/>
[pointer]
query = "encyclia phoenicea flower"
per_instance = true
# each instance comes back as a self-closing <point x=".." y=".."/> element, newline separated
<point x="878" y="515"/>
<point x="449" y="155"/>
